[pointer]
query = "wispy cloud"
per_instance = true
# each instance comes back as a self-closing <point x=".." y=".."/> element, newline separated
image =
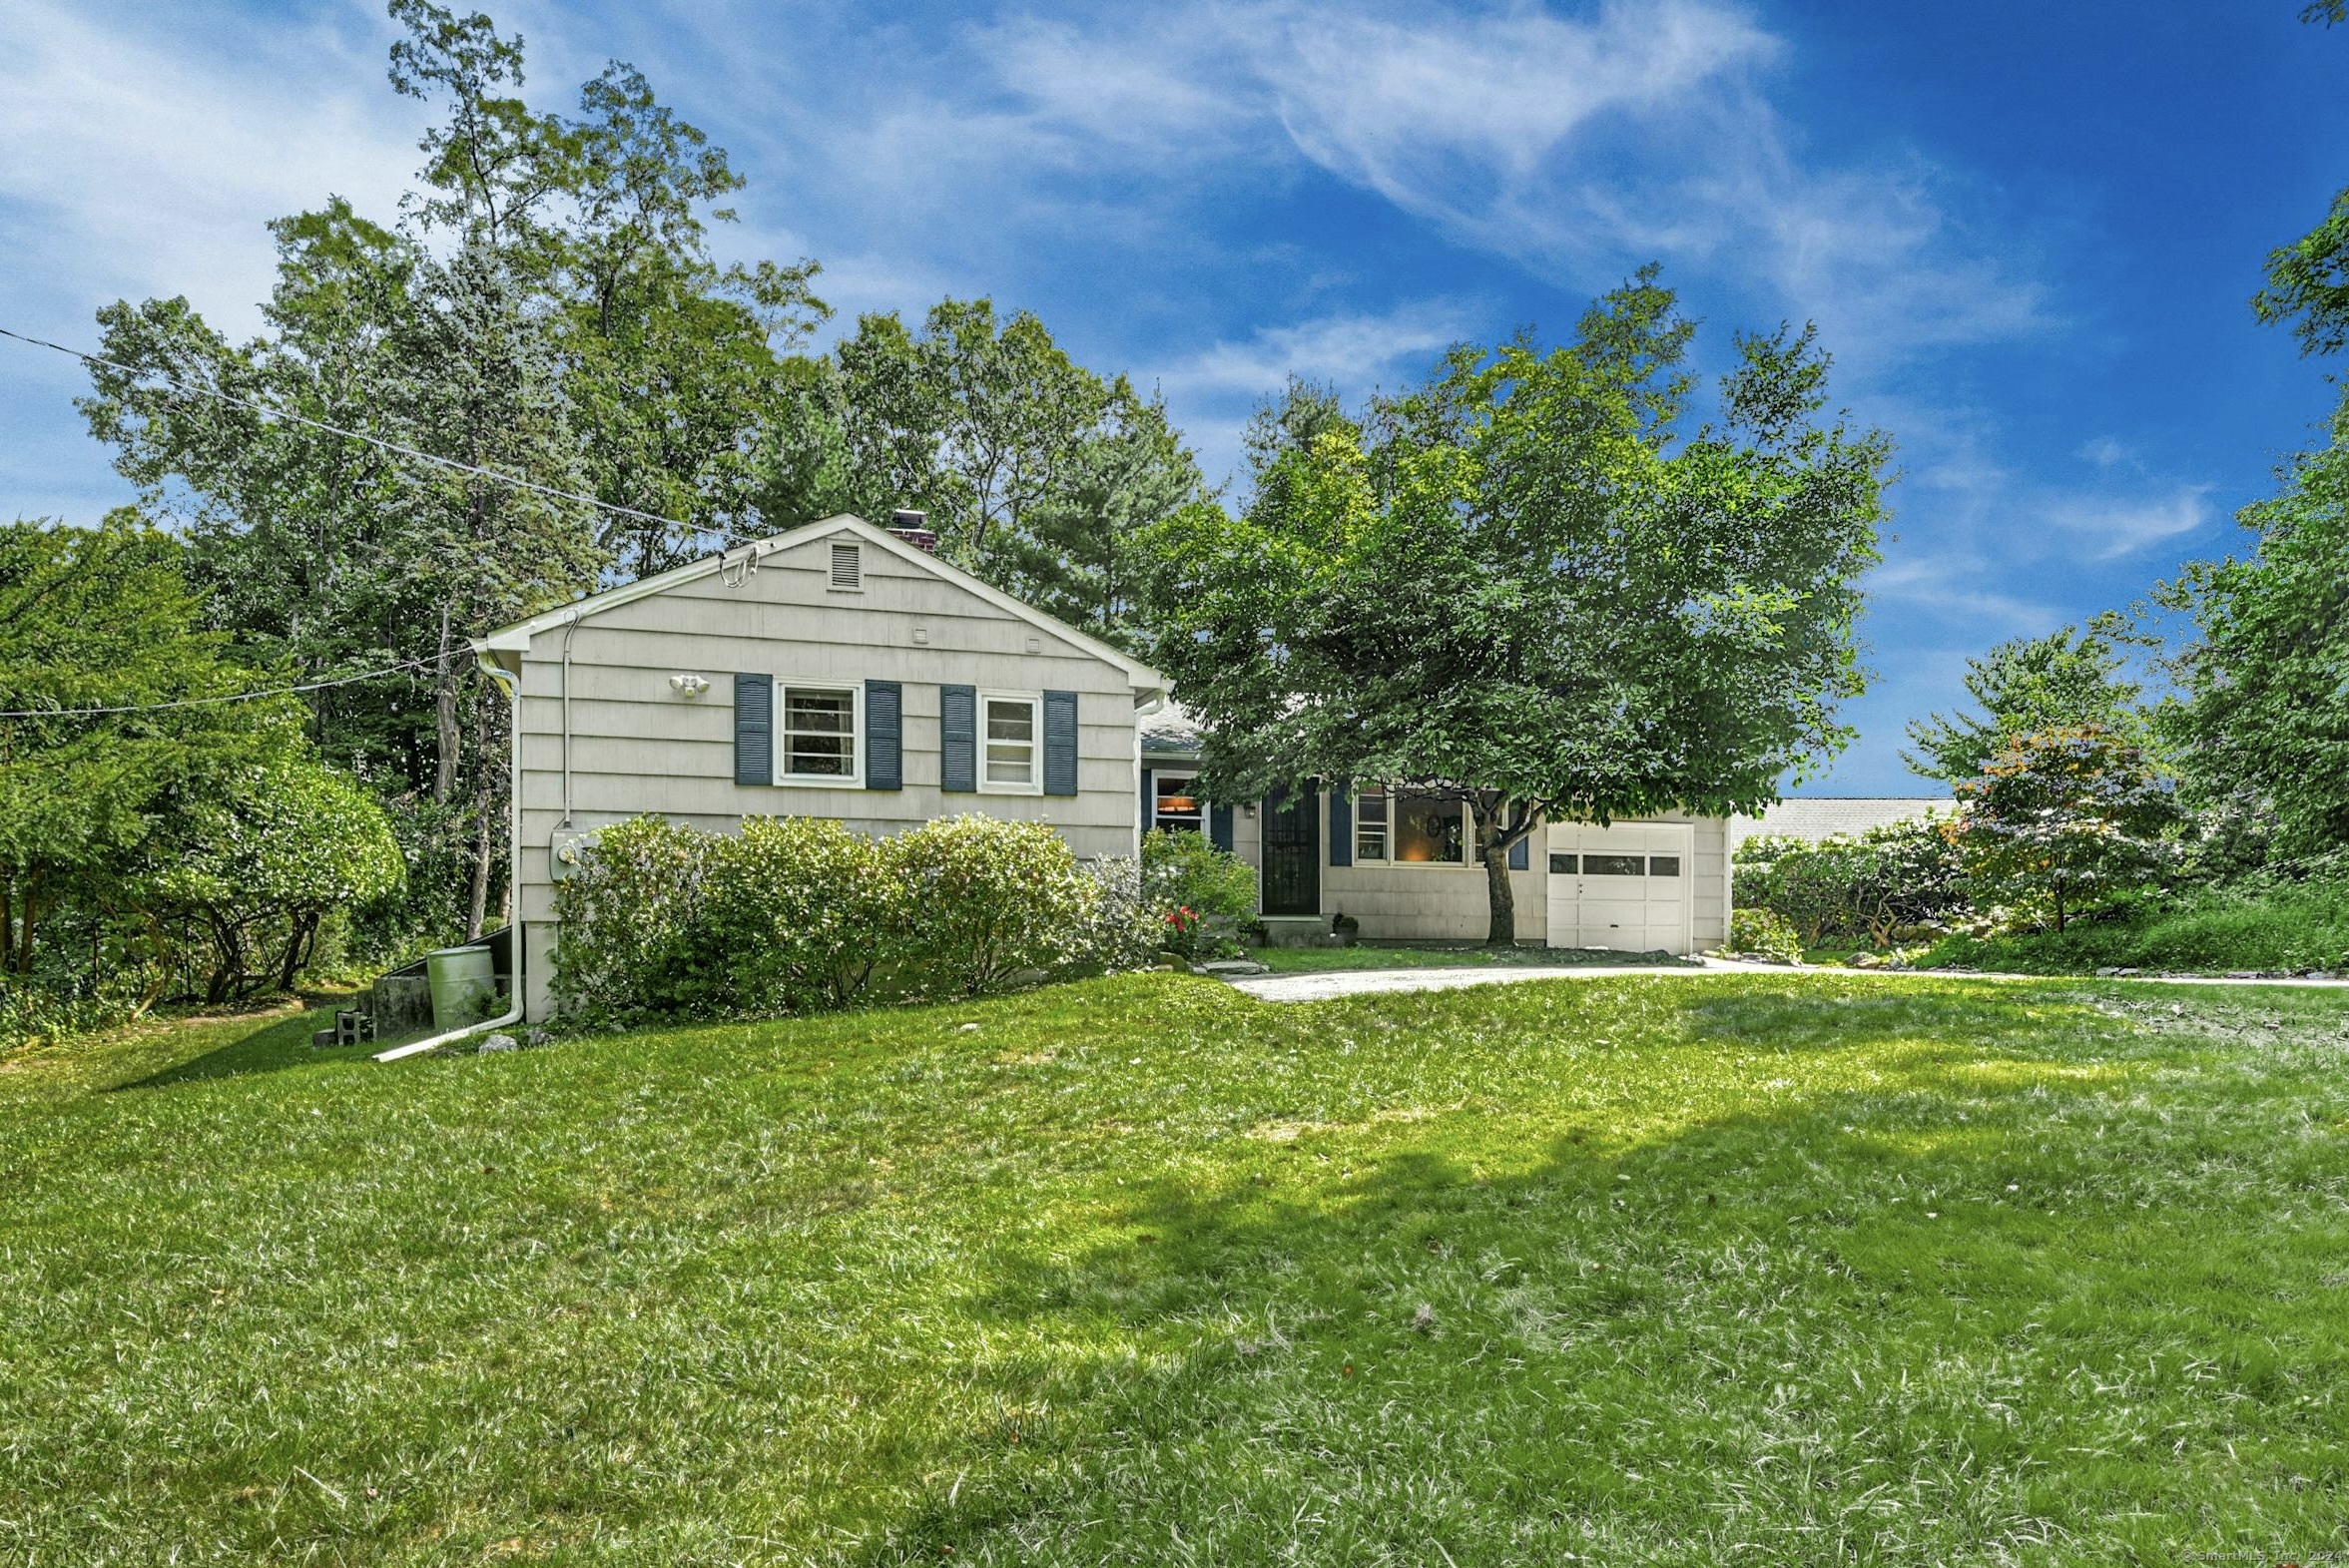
<point x="1220" y="385"/>
<point x="2110" y="527"/>
<point x="144" y="163"/>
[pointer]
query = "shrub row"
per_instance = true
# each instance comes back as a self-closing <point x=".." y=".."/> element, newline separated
<point x="805" y="916"/>
<point x="1869" y="887"/>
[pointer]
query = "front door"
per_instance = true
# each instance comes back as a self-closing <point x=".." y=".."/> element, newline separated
<point x="1292" y="854"/>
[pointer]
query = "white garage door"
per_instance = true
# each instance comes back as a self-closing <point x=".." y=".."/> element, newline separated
<point x="1624" y="888"/>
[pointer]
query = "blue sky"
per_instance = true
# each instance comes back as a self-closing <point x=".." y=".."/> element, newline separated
<point x="2026" y="231"/>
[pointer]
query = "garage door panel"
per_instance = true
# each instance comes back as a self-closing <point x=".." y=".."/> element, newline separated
<point x="1625" y="887"/>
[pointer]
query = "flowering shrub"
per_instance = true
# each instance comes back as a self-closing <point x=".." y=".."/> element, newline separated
<point x="1764" y="933"/>
<point x="1869" y="886"/>
<point x="802" y="915"/>
<point x="634" y="945"/>
<point x="1200" y="895"/>
<point x="985" y="901"/>
<point x="2068" y="820"/>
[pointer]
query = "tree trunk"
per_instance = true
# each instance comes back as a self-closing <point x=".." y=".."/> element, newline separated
<point x="484" y="838"/>
<point x="444" y="714"/>
<point x="2059" y="906"/>
<point x="298" y="950"/>
<point x="1502" y="930"/>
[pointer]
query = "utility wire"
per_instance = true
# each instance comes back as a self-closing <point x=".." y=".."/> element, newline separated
<point x="209" y="702"/>
<point x="268" y="412"/>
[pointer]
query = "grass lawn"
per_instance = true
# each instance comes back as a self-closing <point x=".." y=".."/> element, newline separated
<point x="1770" y="1269"/>
<point x="2295" y="926"/>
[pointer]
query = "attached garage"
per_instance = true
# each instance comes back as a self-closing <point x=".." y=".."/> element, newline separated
<point x="1628" y="886"/>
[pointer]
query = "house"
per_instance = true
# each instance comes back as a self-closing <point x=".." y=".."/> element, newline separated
<point x="845" y="671"/>
<point x="1404" y="865"/>
<point x="838" y="669"/>
<point x="1823" y="817"/>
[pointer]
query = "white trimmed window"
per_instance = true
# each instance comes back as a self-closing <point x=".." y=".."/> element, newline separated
<point x="819" y="731"/>
<point x="1012" y="742"/>
<point x="1175" y="804"/>
<point x="1370" y="824"/>
<point x="1430" y="830"/>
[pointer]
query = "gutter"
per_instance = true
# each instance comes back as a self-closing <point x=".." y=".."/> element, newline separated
<point x="521" y="993"/>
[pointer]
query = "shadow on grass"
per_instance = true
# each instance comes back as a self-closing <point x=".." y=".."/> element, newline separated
<point x="1671" y="1289"/>
<point x="272" y="1046"/>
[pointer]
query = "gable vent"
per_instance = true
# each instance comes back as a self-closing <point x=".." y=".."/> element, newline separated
<point x="848" y="570"/>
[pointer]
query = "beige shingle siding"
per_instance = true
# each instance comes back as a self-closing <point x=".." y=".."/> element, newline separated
<point x="1435" y="903"/>
<point x="639" y="746"/>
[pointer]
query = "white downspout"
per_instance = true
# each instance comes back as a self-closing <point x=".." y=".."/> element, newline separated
<point x="521" y="945"/>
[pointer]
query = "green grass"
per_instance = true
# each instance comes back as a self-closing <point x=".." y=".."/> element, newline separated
<point x="1771" y="1269"/>
<point x="2205" y="931"/>
<point x="1427" y="955"/>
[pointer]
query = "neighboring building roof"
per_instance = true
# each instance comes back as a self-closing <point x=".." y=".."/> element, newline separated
<point x="1822" y="816"/>
<point x="1170" y="732"/>
<point x="518" y="635"/>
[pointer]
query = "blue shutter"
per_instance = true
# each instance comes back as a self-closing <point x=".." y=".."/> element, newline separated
<point x="1149" y="799"/>
<point x="754" y="728"/>
<point x="1521" y="853"/>
<point x="1341" y="828"/>
<point x="1219" y="826"/>
<point x="959" y="738"/>
<point x="884" y="735"/>
<point x="1060" y="742"/>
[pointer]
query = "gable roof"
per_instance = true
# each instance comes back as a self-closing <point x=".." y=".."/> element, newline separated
<point x="518" y="635"/>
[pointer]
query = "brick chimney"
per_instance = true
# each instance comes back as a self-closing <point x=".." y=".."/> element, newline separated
<point x="914" y="528"/>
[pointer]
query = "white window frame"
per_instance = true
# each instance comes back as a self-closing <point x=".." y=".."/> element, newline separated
<point x="1160" y="776"/>
<point x="1035" y="701"/>
<point x="1468" y="860"/>
<point x="1386" y="829"/>
<point x="854" y="780"/>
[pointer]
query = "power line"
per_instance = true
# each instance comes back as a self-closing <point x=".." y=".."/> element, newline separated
<point x="268" y="412"/>
<point x="208" y="701"/>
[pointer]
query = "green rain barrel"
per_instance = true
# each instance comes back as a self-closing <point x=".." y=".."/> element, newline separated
<point x="465" y="986"/>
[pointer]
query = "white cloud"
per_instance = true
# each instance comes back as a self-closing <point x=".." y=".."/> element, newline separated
<point x="2106" y="452"/>
<point x="2110" y="527"/>
<point x="1214" y="390"/>
<point x="1353" y="351"/>
<point x="146" y="162"/>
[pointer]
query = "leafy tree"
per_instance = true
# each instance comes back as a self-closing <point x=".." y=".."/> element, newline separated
<point x="2308" y="279"/>
<point x="103" y="618"/>
<point x="263" y="863"/>
<point x="2066" y="678"/>
<point x="1527" y="585"/>
<point x="1037" y="474"/>
<point x="2071" y="817"/>
<point x="2265" y="717"/>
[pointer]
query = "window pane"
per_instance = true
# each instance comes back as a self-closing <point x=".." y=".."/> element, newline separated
<point x="1178" y="806"/>
<point x="822" y="755"/>
<point x="1429" y="832"/>
<point x="833" y="712"/>
<point x="1613" y="865"/>
<point x="1008" y="764"/>
<point x="1011" y="720"/>
<point x="1664" y="866"/>
<point x="818" y="733"/>
<point x="1561" y="866"/>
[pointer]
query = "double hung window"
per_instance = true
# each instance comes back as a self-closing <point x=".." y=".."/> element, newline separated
<point x="1175" y="805"/>
<point x="816" y="739"/>
<point x="1012" y="727"/>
